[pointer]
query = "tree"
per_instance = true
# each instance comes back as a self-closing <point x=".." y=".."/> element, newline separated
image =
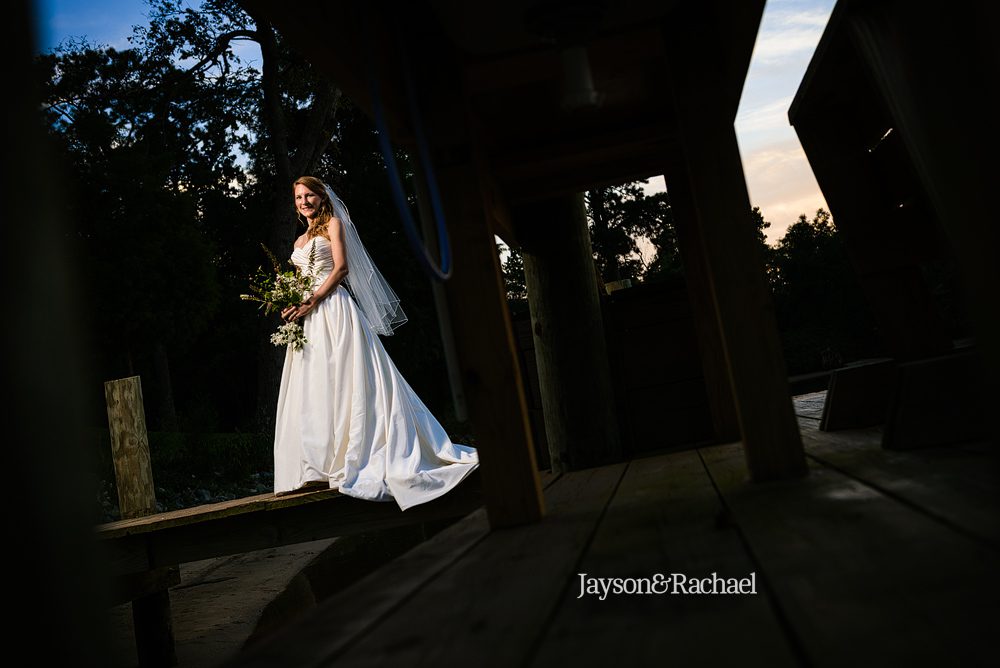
<point x="178" y="179"/>
<point x="619" y="216"/>
<point x="512" y="265"/>
<point x="820" y="307"/>
<point x="292" y="127"/>
<point x="622" y="215"/>
<point x="140" y="163"/>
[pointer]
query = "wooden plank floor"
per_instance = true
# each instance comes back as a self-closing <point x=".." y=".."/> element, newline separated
<point x="874" y="558"/>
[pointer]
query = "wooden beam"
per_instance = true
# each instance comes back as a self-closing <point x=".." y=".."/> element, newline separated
<point x="711" y="43"/>
<point x="714" y="174"/>
<point x="581" y="163"/>
<point x="725" y="419"/>
<point x="574" y="375"/>
<point x="132" y="586"/>
<point x="264" y="521"/>
<point x="621" y="52"/>
<point x="742" y="300"/>
<point x="487" y="350"/>
<point x="428" y="226"/>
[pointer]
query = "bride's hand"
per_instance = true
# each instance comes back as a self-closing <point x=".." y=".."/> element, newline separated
<point x="288" y="313"/>
<point x="305" y="308"/>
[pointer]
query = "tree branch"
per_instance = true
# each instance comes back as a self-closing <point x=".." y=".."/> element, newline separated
<point x="314" y="140"/>
<point x="273" y="114"/>
<point x="220" y="48"/>
<point x="171" y="84"/>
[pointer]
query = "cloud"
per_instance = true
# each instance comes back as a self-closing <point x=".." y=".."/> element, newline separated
<point x="765" y="161"/>
<point x="777" y="172"/>
<point x="789" y="32"/>
<point x="782" y="184"/>
<point x="786" y="33"/>
<point x="765" y="117"/>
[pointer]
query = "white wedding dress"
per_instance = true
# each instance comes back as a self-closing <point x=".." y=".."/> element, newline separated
<point x="347" y="417"/>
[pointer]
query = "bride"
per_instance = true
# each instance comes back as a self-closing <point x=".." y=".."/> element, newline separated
<point x="347" y="419"/>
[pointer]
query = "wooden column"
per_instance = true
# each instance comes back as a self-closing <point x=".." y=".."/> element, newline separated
<point x="706" y="319"/>
<point x="574" y="375"/>
<point x="705" y="82"/>
<point x="429" y="229"/>
<point x="742" y="299"/>
<point x="154" y="634"/>
<point x="487" y="352"/>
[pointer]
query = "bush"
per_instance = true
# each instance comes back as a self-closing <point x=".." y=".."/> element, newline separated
<point x="192" y="468"/>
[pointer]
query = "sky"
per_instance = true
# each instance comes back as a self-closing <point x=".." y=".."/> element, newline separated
<point x="778" y="175"/>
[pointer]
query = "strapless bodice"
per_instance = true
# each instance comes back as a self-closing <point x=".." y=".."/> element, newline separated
<point x="314" y="259"/>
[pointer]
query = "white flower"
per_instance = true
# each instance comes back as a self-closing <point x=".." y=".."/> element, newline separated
<point x="290" y="334"/>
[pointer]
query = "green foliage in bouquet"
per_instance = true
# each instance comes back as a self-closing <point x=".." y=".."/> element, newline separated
<point x="279" y="289"/>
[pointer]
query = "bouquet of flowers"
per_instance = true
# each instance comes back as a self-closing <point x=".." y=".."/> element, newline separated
<point x="278" y="290"/>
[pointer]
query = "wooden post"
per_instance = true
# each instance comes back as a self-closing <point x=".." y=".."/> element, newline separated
<point x="742" y="300"/>
<point x="574" y="375"/>
<point x="130" y="447"/>
<point x="706" y="319"/>
<point x="704" y="111"/>
<point x="429" y="230"/>
<point x="487" y="353"/>
<point x="154" y="635"/>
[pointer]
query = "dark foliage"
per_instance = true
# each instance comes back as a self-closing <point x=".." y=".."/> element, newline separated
<point x="822" y="314"/>
<point x="620" y="217"/>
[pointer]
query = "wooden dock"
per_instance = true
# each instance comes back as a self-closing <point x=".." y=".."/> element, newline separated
<point x="874" y="558"/>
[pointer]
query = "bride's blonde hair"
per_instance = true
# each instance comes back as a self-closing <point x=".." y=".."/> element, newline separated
<point x="320" y="224"/>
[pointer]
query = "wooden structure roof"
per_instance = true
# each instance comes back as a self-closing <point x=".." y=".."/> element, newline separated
<point x="500" y="64"/>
